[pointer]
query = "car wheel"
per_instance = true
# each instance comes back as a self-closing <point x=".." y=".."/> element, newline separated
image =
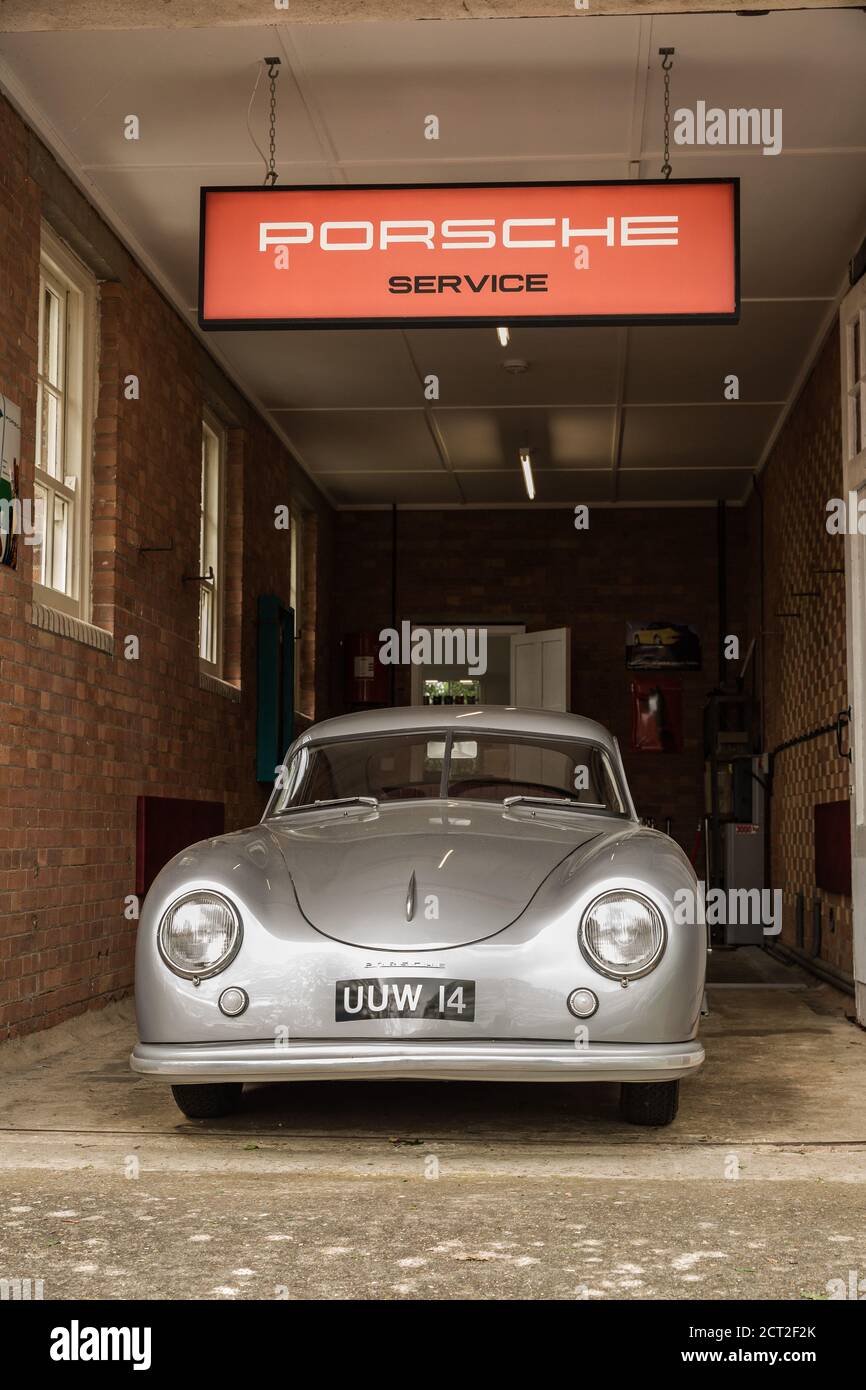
<point x="650" y="1102"/>
<point x="210" y="1101"/>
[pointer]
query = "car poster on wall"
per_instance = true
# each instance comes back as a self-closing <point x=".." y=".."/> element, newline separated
<point x="661" y="645"/>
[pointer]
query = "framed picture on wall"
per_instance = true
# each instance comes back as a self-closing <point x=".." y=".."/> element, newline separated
<point x="661" y="645"/>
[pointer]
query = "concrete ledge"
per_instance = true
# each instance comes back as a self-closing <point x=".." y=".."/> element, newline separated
<point x="64" y="625"/>
<point x="218" y="687"/>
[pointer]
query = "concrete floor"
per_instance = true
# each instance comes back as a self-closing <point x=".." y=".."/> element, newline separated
<point x="429" y="1190"/>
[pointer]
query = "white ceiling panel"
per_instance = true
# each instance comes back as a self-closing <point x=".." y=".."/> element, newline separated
<point x="484" y="439"/>
<point x="326" y="370"/>
<point x="659" y="358"/>
<point x="190" y="90"/>
<point x="391" y="441"/>
<point x="809" y="63"/>
<point x="730" y="435"/>
<point x="567" y="365"/>
<point x="554" y="88"/>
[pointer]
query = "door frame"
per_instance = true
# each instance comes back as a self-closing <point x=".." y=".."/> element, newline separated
<point x="416" y="696"/>
<point x="853" y="384"/>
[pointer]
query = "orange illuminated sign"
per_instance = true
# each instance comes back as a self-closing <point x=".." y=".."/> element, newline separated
<point x="481" y="253"/>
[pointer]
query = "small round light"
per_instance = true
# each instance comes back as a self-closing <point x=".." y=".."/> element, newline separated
<point x="233" y="1001"/>
<point x="582" y="1003"/>
<point x="622" y="935"/>
<point x="199" y="935"/>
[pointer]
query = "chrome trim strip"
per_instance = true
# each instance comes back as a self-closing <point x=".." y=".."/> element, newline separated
<point x="446" y="1061"/>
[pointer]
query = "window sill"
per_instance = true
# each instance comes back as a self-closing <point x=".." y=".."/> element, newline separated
<point x="219" y="687"/>
<point x="64" y="625"/>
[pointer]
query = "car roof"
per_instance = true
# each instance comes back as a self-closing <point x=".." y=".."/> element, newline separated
<point x="492" y="718"/>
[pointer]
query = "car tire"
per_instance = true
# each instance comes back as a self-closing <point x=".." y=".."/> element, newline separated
<point x="650" y="1102"/>
<point x="210" y="1101"/>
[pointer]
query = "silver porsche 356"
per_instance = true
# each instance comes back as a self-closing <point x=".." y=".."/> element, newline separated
<point x="463" y="893"/>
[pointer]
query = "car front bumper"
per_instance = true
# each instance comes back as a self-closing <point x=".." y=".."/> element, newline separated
<point x="443" y="1061"/>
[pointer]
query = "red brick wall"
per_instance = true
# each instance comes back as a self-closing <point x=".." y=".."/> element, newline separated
<point x="531" y="566"/>
<point x="804" y="658"/>
<point x="84" y="733"/>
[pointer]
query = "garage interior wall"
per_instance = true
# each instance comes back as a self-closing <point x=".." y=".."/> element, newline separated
<point x="85" y="731"/>
<point x="804" y="656"/>
<point x="531" y="566"/>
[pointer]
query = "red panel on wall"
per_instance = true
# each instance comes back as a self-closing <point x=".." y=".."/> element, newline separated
<point x="833" y="847"/>
<point x="657" y="715"/>
<point x="165" y="826"/>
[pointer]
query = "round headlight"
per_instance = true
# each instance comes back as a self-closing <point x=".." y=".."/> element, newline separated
<point x="622" y="935"/>
<point x="199" y="935"/>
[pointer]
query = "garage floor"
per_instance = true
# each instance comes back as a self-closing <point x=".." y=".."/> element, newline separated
<point x="411" y="1190"/>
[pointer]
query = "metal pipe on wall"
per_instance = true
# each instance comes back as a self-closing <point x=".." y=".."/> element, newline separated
<point x="722" y="574"/>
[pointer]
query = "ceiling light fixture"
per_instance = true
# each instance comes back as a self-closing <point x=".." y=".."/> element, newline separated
<point x="526" y="465"/>
<point x="503" y="335"/>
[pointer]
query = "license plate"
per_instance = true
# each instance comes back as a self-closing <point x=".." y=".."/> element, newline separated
<point x="405" y="998"/>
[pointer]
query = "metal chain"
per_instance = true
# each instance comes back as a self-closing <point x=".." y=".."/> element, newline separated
<point x="273" y="72"/>
<point x="667" y="56"/>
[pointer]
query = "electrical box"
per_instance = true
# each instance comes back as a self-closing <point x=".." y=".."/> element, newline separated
<point x="743" y="846"/>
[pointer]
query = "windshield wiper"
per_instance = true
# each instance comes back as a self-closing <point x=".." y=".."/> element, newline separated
<point x="326" y="805"/>
<point x="568" y="801"/>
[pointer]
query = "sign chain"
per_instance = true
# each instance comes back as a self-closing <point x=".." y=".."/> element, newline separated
<point x="273" y="72"/>
<point x="667" y="57"/>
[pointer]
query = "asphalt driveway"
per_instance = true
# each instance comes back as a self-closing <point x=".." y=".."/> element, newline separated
<point x="431" y="1190"/>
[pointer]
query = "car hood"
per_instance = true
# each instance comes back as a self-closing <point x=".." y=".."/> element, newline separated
<point x="477" y="866"/>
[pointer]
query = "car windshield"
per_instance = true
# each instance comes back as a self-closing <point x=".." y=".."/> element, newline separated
<point x="483" y="767"/>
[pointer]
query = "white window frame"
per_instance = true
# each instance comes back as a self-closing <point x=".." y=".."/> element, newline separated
<point x="296" y="590"/>
<point x="212" y="544"/>
<point x="61" y="271"/>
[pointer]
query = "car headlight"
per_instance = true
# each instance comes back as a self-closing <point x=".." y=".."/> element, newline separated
<point x="199" y="935"/>
<point x="622" y="935"/>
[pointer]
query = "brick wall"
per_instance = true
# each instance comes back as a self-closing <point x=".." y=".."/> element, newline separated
<point x="84" y="732"/>
<point x="531" y="566"/>
<point x="804" y="658"/>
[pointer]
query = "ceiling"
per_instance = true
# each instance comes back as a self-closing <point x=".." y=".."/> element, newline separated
<point x="628" y="415"/>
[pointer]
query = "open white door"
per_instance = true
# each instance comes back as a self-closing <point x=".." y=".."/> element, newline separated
<point x="541" y="669"/>
<point x="853" y="328"/>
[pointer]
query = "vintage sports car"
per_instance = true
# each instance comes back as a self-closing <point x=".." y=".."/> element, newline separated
<point x="463" y="893"/>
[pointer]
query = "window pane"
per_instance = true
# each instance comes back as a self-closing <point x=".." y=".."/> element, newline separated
<point x="60" y="545"/>
<point x="209" y="546"/>
<point x="49" y="443"/>
<point x="393" y="768"/>
<point x="491" y="767"/>
<point x="206" y="625"/>
<point x="39" y="549"/>
<point x="51" y="363"/>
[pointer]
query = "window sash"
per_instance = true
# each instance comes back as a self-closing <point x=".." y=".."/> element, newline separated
<point x="211" y="526"/>
<point x="65" y="407"/>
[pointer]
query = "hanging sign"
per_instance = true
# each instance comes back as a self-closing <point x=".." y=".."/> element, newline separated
<point x="481" y="253"/>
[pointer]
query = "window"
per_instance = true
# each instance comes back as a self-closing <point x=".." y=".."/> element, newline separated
<point x="212" y="582"/>
<point x="295" y="596"/>
<point x="475" y="766"/>
<point x="64" y="427"/>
